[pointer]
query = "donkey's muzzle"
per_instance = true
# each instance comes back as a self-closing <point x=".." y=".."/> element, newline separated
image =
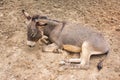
<point x="31" y="43"/>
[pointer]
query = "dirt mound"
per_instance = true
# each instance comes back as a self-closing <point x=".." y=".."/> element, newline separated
<point x="19" y="62"/>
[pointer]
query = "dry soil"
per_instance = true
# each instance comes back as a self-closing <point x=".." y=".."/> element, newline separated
<point x="19" y="62"/>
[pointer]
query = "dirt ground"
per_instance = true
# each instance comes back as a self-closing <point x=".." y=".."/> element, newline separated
<point x="19" y="62"/>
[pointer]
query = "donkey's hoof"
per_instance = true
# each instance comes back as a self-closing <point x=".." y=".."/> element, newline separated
<point x="62" y="62"/>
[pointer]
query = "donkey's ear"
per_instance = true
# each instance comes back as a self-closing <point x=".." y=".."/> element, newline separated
<point x="26" y="15"/>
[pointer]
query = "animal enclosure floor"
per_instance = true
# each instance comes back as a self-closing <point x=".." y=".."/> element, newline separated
<point x="19" y="62"/>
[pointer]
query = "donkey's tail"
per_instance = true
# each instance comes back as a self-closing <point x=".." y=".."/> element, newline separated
<point x="100" y="64"/>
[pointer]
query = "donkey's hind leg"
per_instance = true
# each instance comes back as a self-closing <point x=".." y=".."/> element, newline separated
<point x="85" y="55"/>
<point x="83" y="62"/>
<point x="87" y="50"/>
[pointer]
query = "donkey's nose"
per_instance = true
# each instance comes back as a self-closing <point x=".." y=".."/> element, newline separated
<point x="30" y="46"/>
<point x="31" y="43"/>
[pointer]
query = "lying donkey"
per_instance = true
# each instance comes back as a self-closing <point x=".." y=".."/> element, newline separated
<point x="68" y="36"/>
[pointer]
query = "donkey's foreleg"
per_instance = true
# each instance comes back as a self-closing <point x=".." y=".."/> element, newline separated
<point x="51" y="48"/>
<point x="70" y="61"/>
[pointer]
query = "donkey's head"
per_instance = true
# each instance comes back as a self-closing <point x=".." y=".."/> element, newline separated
<point x="34" y="28"/>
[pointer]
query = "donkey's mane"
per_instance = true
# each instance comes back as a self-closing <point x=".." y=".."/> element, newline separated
<point x="38" y="17"/>
<point x="44" y="17"/>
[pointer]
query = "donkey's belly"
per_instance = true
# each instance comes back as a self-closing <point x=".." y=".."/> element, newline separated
<point x="69" y="40"/>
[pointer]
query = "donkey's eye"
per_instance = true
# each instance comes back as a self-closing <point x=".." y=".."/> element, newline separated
<point x="41" y="24"/>
<point x="45" y="24"/>
<point x="37" y="24"/>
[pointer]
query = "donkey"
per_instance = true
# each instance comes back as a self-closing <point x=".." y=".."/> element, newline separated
<point x="72" y="37"/>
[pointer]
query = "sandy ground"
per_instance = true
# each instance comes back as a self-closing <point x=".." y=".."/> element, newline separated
<point x="19" y="62"/>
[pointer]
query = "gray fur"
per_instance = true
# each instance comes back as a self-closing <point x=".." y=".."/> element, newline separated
<point x="60" y="33"/>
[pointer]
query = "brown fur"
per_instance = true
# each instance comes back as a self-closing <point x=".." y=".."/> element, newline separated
<point x="71" y="48"/>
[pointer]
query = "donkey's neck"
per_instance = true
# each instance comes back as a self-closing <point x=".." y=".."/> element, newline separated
<point x="52" y="26"/>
